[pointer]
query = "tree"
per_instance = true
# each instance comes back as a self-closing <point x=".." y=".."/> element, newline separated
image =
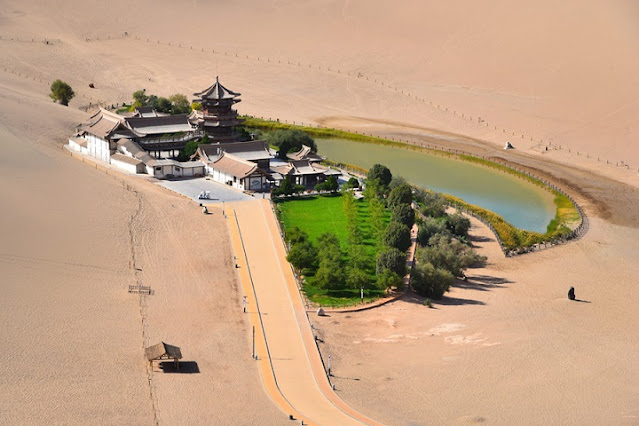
<point x="191" y="147"/>
<point x="397" y="235"/>
<point x="357" y="278"/>
<point x="402" y="194"/>
<point x="357" y="257"/>
<point x="377" y="218"/>
<point x="388" y="279"/>
<point x="328" y="246"/>
<point x="393" y="259"/>
<point x="397" y="181"/>
<point x="380" y="173"/>
<point x="353" y="182"/>
<point x="302" y="255"/>
<point x="61" y="92"/>
<point x="403" y="213"/>
<point x="140" y="98"/>
<point x="458" y="224"/>
<point x="196" y="106"/>
<point x="180" y="105"/>
<point x="329" y="274"/>
<point x="431" y="282"/>
<point x="162" y="104"/>
<point x="290" y="140"/>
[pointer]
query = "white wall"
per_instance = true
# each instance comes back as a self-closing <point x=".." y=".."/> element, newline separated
<point x="98" y="148"/>
<point x="131" y="168"/>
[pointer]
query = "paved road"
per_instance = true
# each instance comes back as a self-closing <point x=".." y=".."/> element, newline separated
<point x="298" y="380"/>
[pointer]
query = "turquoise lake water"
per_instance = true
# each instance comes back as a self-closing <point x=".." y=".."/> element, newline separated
<point x="521" y="203"/>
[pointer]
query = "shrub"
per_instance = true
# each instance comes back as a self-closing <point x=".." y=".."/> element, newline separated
<point x="449" y="254"/>
<point x="430" y="281"/>
<point x="295" y="235"/>
<point x="353" y="182"/>
<point x="433" y="205"/>
<point x="458" y="224"/>
<point x="329" y="184"/>
<point x="397" y="235"/>
<point x="285" y="188"/>
<point x="429" y="227"/>
<point x="61" y="92"/>
<point x="392" y="259"/>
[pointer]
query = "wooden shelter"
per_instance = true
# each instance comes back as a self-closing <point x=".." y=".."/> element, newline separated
<point x="163" y="351"/>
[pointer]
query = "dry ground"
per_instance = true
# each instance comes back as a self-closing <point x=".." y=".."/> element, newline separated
<point x="74" y="334"/>
<point x="508" y="349"/>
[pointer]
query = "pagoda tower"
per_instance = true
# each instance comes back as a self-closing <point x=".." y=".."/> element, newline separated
<point x="217" y="118"/>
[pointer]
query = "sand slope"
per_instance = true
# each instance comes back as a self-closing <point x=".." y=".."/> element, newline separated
<point x="73" y="333"/>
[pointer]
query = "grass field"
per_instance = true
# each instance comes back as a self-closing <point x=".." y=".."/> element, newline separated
<point x="320" y="214"/>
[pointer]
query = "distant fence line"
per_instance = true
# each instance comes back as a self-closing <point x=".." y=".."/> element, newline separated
<point x="472" y="118"/>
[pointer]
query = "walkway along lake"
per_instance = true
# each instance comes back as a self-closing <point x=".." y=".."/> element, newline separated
<point x="519" y="202"/>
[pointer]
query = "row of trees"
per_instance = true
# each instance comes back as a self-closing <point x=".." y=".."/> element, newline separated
<point x="174" y="104"/>
<point x="391" y="194"/>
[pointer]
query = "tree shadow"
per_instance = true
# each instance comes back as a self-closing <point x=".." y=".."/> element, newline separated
<point x="186" y="367"/>
<point x="457" y="301"/>
<point x="412" y="297"/>
<point x="481" y="282"/>
<point x="479" y="239"/>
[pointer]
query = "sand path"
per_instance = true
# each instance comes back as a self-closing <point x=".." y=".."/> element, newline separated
<point x="295" y="361"/>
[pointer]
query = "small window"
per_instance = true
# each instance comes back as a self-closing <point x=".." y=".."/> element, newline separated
<point x="158" y="169"/>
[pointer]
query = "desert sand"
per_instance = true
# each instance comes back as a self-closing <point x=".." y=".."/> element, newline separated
<point x="464" y="75"/>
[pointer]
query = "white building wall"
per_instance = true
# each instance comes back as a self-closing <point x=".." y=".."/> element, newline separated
<point x="131" y="168"/>
<point x="98" y="148"/>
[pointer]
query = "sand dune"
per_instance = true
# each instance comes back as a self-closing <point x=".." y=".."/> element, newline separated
<point x="540" y="74"/>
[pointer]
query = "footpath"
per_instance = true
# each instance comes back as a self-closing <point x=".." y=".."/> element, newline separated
<point x="290" y="364"/>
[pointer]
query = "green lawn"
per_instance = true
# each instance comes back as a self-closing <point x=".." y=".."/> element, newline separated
<point x="320" y="214"/>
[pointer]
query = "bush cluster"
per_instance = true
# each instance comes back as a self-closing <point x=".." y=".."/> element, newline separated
<point x="444" y="251"/>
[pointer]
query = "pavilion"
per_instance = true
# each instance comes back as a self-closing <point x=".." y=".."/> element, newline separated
<point x="163" y="351"/>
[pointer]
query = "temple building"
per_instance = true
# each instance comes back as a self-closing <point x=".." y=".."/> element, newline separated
<point x="217" y="118"/>
<point x="162" y="136"/>
<point x="144" y="141"/>
<point x="255" y="151"/>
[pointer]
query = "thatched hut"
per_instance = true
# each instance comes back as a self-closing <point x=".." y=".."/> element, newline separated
<point x="163" y="351"/>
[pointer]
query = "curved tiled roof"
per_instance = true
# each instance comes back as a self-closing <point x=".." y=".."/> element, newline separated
<point x="234" y="166"/>
<point x="217" y="92"/>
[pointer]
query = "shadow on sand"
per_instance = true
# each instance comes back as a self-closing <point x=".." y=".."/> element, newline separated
<point x="412" y="297"/>
<point x="481" y="282"/>
<point x="186" y="367"/>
